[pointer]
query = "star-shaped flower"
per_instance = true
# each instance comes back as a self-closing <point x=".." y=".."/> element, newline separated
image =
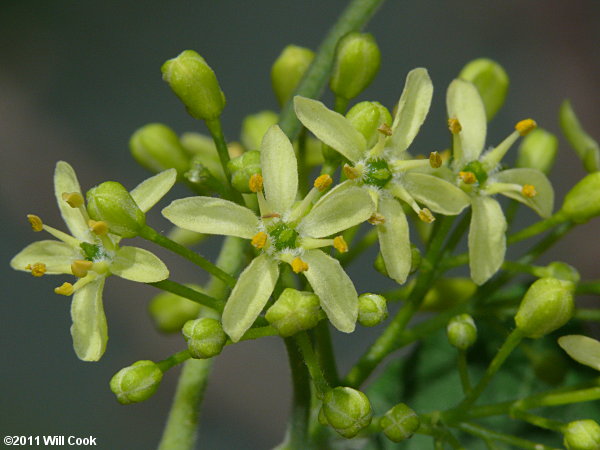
<point x="286" y="231"/>
<point x="91" y="253"/>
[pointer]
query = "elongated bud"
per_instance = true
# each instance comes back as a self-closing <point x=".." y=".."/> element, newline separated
<point x="196" y="85"/>
<point x="137" y="382"/>
<point x="347" y="410"/>
<point x="582" y="202"/>
<point x="582" y="435"/>
<point x="462" y="332"/>
<point x="448" y="292"/>
<point x="372" y="309"/>
<point x="586" y="148"/>
<point x="111" y="203"/>
<point x="400" y="423"/>
<point x="294" y="311"/>
<point x="367" y="117"/>
<point x="547" y="305"/>
<point x="156" y="147"/>
<point x="288" y="69"/>
<point x="538" y="151"/>
<point x="243" y="168"/>
<point x="357" y="61"/>
<point x="205" y="337"/>
<point x="170" y="312"/>
<point x="491" y="81"/>
<point x="255" y="126"/>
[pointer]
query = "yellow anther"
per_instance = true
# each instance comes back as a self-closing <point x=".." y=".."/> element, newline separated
<point x="37" y="269"/>
<point x="65" y="289"/>
<point x="256" y="182"/>
<point x="376" y="219"/>
<point x="525" y="126"/>
<point x="270" y="216"/>
<point x="426" y="216"/>
<point x="528" y="190"/>
<point x="385" y="129"/>
<point x="298" y="265"/>
<point x="351" y="172"/>
<point x="454" y="126"/>
<point x="323" y="182"/>
<point x="81" y="267"/>
<point x="36" y="222"/>
<point x="259" y="240"/>
<point x="98" y="227"/>
<point x="339" y="243"/>
<point x="435" y="160"/>
<point x="467" y="177"/>
<point x="74" y="199"/>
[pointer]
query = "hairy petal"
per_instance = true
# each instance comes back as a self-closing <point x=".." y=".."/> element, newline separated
<point x="582" y="349"/>
<point x="150" y="191"/>
<point x="279" y="169"/>
<point x="137" y="264"/>
<point x="89" y="329"/>
<point x="436" y="193"/>
<point x="543" y="202"/>
<point x="56" y="255"/>
<point x="394" y="240"/>
<point x="65" y="181"/>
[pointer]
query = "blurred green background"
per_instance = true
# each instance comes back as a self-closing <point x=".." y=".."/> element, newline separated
<point x="78" y="77"/>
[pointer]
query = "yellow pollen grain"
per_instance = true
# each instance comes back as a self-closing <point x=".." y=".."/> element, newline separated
<point x="36" y="222"/>
<point x="259" y="240"/>
<point x="385" y="129"/>
<point x="435" y="160"/>
<point x="323" y="182"/>
<point x="74" y="199"/>
<point x="98" y="227"/>
<point x="376" y="219"/>
<point x="64" y="289"/>
<point x="467" y="177"/>
<point x="339" y="243"/>
<point x="528" y="190"/>
<point x="350" y="172"/>
<point x="454" y="126"/>
<point x="525" y="126"/>
<point x="81" y="267"/>
<point x="256" y="182"/>
<point x="426" y="216"/>
<point x="37" y="270"/>
<point x="298" y="265"/>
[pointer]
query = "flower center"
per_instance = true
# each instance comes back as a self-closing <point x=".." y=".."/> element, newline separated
<point x="283" y="236"/>
<point x="476" y="168"/>
<point x="376" y="172"/>
<point x="93" y="252"/>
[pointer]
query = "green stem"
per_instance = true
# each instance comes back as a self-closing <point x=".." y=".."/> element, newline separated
<point x="297" y="435"/>
<point x="189" y="293"/>
<point x="486" y="434"/>
<point x="341" y="104"/>
<point x="587" y="314"/>
<point x="354" y="17"/>
<point x="463" y="370"/>
<point x="325" y="352"/>
<point x="173" y="360"/>
<point x="538" y="421"/>
<point x="537" y="228"/>
<point x="591" y="287"/>
<point x="312" y="363"/>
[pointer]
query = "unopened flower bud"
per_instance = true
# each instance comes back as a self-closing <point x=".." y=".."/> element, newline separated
<point x="586" y="148"/>
<point x="243" y="168"/>
<point x="538" y="150"/>
<point x="582" y="435"/>
<point x="205" y="337"/>
<point x="288" y="69"/>
<point x="582" y="202"/>
<point x="294" y="311"/>
<point x="448" y="292"/>
<point x="367" y="117"/>
<point x="357" y="61"/>
<point x="170" y="312"/>
<point x="547" y="305"/>
<point x="111" y="203"/>
<point x="137" y="382"/>
<point x="491" y="82"/>
<point x="400" y="423"/>
<point x="196" y="85"/>
<point x="255" y="126"/>
<point x="562" y="271"/>
<point x="347" y="410"/>
<point x="462" y="332"/>
<point x="156" y="147"/>
<point x="372" y="309"/>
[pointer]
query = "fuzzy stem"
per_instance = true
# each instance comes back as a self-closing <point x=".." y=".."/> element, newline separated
<point x="189" y="293"/>
<point x="312" y="363"/>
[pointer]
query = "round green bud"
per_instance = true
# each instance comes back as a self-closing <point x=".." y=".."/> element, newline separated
<point x="347" y="410"/>
<point x="562" y="271"/>
<point x="156" y="147"/>
<point x="491" y="81"/>
<point x="582" y="435"/>
<point x="137" y="382"/>
<point x="294" y="311"/>
<point x="196" y="85"/>
<point x="582" y="202"/>
<point x="255" y="126"/>
<point x="111" y="203"/>
<point x="205" y="337"/>
<point x="400" y="423"/>
<point x="242" y="168"/>
<point x="170" y="312"/>
<point x="538" y="150"/>
<point x="448" y="292"/>
<point x="372" y="309"/>
<point x="357" y="61"/>
<point x="288" y="69"/>
<point x="367" y="117"/>
<point x="549" y="366"/>
<point x="547" y="305"/>
<point x="585" y="146"/>
<point x="462" y="332"/>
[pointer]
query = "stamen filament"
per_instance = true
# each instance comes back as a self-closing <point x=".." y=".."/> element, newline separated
<point x="377" y="149"/>
<point x="66" y="238"/>
<point x="493" y="157"/>
<point x="302" y="208"/>
<point x="309" y="243"/>
<point x="409" y="164"/>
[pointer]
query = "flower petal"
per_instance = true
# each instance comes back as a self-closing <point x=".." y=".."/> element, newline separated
<point x="394" y="240"/>
<point x="543" y="201"/>
<point x="464" y="103"/>
<point x="337" y="211"/>
<point x="487" y="239"/>
<point x="413" y="107"/>
<point x="331" y="128"/>
<point x="212" y="216"/>
<point x="65" y="181"/>
<point x="150" y="191"/>
<point x="89" y="329"/>
<point x="437" y="194"/>
<point x="56" y="255"/>
<point x="334" y="288"/>
<point x="582" y="349"/>
<point x="279" y="169"/>
<point x="249" y="296"/>
<point x="137" y="264"/>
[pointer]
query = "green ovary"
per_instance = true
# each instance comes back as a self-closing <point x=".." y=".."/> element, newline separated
<point x="376" y="173"/>
<point x="283" y="236"/>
